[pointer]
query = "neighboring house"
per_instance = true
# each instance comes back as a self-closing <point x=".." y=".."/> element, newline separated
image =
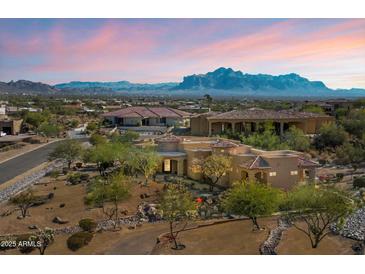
<point x="10" y="126"/>
<point x="252" y="120"/>
<point x="2" y="111"/>
<point x="282" y="169"/>
<point x="148" y="116"/>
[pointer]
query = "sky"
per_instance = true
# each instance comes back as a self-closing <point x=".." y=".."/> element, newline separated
<point x="164" y="50"/>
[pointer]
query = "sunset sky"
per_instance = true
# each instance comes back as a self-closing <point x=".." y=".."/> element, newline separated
<point x="164" y="50"/>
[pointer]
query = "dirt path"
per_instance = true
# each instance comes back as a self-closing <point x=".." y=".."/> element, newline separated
<point x="140" y="242"/>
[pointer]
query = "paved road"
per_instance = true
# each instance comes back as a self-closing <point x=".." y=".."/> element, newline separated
<point x="22" y="163"/>
<point x="139" y="242"/>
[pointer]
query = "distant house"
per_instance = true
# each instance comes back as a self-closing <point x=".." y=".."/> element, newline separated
<point x="148" y="116"/>
<point x="252" y="120"/>
<point x="184" y="156"/>
<point x="10" y="126"/>
<point x="2" y="111"/>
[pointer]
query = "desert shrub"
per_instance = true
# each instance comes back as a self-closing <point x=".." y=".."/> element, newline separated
<point x="78" y="240"/>
<point x="88" y="225"/>
<point x="76" y="178"/>
<point x="84" y="177"/>
<point x="23" y="241"/>
<point x="359" y="182"/>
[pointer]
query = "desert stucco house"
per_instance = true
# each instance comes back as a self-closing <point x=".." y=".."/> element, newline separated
<point x="183" y="156"/>
<point x="251" y="120"/>
<point x="148" y="116"/>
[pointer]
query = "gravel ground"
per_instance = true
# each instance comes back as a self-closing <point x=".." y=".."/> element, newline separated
<point x="354" y="227"/>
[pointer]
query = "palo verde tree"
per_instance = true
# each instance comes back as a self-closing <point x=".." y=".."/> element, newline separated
<point x="349" y="154"/>
<point x="104" y="155"/>
<point x="68" y="150"/>
<point x="145" y="161"/>
<point x="44" y="238"/>
<point x="108" y="194"/>
<point x="97" y="139"/>
<point x="330" y="136"/>
<point x="215" y="167"/>
<point x="296" y="139"/>
<point x="24" y="201"/>
<point x="312" y="210"/>
<point x="267" y="139"/>
<point x="252" y="199"/>
<point x="177" y="207"/>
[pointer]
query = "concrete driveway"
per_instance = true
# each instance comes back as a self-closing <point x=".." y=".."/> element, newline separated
<point x="140" y="241"/>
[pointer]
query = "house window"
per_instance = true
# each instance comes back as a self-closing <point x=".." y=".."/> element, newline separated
<point x="167" y="166"/>
<point x="294" y="172"/>
<point x="272" y="174"/>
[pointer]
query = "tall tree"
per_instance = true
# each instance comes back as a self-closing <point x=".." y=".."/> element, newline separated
<point x="296" y="139"/>
<point x="215" y="167"/>
<point x="252" y="199"/>
<point x="312" y="210"/>
<point x="208" y="99"/>
<point x="348" y="154"/>
<point x="177" y="207"/>
<point x="108" y="192"/>
<point x="330" y="136"/>
<point x="145" y="161"/>
<point x="68" y="150"/>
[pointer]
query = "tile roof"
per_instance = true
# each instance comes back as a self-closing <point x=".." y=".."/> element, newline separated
<point x="265" y="114"/>
<point x="148" y="112"/>
<point x="255" y="163"/>
<point x="306" y="163"/>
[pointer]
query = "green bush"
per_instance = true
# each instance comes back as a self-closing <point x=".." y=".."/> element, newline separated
<point x="359" y="182"/>
<point x="78" y="240"/>
<point x="84" y="176"/>
<point x="76" y="178"/>
<point x="88" y="225"/>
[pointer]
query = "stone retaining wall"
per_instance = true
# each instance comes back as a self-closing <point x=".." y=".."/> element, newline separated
<point x="26" y="182"/>
<point x="269" y="246"/>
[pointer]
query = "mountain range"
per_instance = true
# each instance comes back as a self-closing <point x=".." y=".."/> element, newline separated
<point x="222" y="82"/>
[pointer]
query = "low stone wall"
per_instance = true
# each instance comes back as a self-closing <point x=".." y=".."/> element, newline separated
<point x="269" y="246"/>
<point x="24" y="183"/>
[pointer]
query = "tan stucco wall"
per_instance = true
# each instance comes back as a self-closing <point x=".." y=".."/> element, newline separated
<point x="132" y="121"/>
<point x="199" y="126"/>
<point x="282" y="166"/>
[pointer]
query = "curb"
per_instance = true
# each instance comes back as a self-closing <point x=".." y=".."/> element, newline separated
<point x="33" y="149"/>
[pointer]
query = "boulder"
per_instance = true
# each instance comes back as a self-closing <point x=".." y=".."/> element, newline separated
<point x="58" y="220"/>
<point x="33" y="227"/>
<point x="62" y="205"/>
